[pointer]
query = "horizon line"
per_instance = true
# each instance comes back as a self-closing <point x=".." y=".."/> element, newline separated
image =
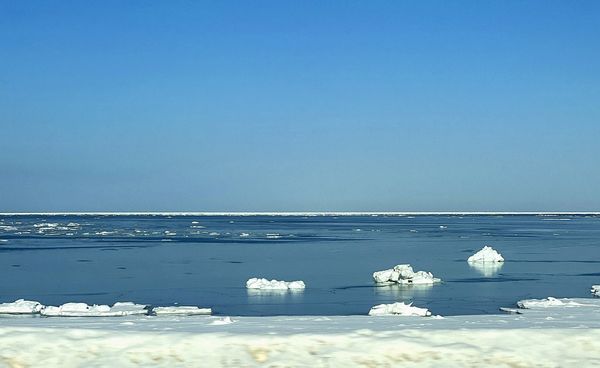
<point x="294" y="213"/>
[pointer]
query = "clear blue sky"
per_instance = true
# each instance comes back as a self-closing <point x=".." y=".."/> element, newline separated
<point x="299" y="105"/>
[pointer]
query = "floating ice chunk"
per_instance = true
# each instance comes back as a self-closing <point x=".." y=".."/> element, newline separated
<point x="21" y="306"/>
<point x="181" y="310"/>
<point x="222" y="321"/>
<point x="84" y="310"/>
<point x="264" y="284"/>
<point x="383" y="276"/>
<point x="273" y="236"/>
<point x="244" y="235"/>
<point x="104" y="232"/>
<point x="486" y="254"/>
<point x="44" y="224"/>
<point x="547" y="303"/>
<point x="404" y="274"/>
<point x="398" y="309"/>
<point x="596" y="290"/>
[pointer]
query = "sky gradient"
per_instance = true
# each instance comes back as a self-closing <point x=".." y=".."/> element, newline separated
<point x="299" y="106"/>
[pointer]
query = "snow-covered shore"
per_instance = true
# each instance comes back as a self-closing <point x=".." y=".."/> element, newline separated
<point x="534" y="337"/>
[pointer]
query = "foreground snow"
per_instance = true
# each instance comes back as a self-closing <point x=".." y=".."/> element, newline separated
<point x="486" y="254"/>
<point x="264" y="284"/>
<point x="536" y="337"/>
<point x="404" y="274"/>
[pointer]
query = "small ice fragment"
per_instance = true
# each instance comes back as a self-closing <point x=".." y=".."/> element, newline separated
<point x="264" y="284"/>
<point x="398" y="309"/>
<point x="222" y="321"/>
<point x="244" y="235"/>
<point x="181" y="310"/>
<point x="596" y="290"/>
<point x="404" y="274"/>
<point x="486" y="254"/>
<point x="21" y="306"/>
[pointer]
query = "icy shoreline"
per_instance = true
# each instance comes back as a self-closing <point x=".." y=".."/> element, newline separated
<point x="533" y="337"/>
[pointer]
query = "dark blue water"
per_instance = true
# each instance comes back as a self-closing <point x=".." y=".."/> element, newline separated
<point x="204" y="261"/>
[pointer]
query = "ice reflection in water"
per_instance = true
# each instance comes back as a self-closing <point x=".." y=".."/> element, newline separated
<point x="403" y="291"/>
<point x="487" y="269"/>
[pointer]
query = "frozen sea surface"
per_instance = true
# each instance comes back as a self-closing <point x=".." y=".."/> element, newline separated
<point x="206" y="260"/>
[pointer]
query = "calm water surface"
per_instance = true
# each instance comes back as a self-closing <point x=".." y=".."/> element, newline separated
<point x="206" y="260"/>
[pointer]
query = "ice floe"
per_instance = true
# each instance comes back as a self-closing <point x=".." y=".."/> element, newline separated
<point x="264" y="284"/>
<point x="486" y="254"/>
<point x="596" y="290"/>
<point x="549" y="302"/>
<point x="84" y="310"/>
<point x="404" y="274"/>
<point x="181" y="310"/>
<point x="398" y="309"/>
<point x="21" y="306"/>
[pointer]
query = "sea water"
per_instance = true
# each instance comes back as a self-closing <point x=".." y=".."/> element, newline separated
<point x="206" y="260"/>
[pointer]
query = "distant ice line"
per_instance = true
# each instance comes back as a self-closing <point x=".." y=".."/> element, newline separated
<point x="325" y="213"/>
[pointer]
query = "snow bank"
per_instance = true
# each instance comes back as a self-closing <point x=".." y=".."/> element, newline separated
<point x="547" y="303"/>
<point x="486" y="254"/>
<point x="181" y="310"/>
<point x="84" y="310"/>
<point x="264" y="284"/>
<point x="21" y="306"/>
<point x="404" y="274"/>
<point x="398" y="309"/>
<point x="596" y="290"/>
<point x="535" y="338"/>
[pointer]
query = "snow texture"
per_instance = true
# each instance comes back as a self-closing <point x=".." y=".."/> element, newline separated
<point x="486" y="254"/>
<point x="404" y="274"/>
<point x="264" y="284"/>
<point x="83" y="310"/>
<point x="533" y="338"/>
<point x="549" y="302"/>
<point x="398" y="309"/>
<point x="21" y="306"/>
<point x="181" y="310"/>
